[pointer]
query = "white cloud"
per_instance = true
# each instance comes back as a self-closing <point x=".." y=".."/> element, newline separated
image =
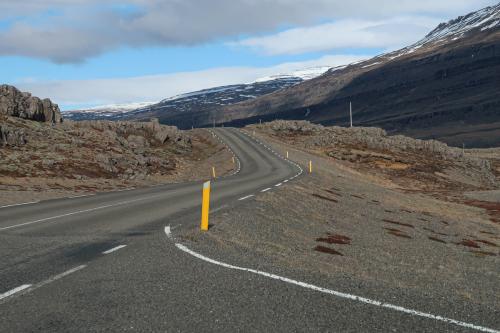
<point x="344" y="34"/>
<point x="74" y="30"/>
<point x="157" y="87"/>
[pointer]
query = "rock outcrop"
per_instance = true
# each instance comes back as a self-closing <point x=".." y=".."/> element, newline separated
<point x="19" y="104"/>
<point x="138" y="134"/>
<point x="374" y="147"/>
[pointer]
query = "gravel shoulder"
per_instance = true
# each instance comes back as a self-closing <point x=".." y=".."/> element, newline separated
<point x="363" y="233"/>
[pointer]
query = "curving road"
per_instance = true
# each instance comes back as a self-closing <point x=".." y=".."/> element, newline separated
<point x="104" y="263"/>
<point x="40" y="243"/>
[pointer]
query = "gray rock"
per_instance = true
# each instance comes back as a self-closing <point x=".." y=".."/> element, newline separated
<point x="12" y="136"/>
<point x="19" y="104"/>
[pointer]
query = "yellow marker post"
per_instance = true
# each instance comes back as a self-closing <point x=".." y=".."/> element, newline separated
<point x="287" y="154"/>
<point x="205" y="206"/>
<point x="233" y="159"/>
<point x="310" y="167"/>
<point x="213" y="171"/>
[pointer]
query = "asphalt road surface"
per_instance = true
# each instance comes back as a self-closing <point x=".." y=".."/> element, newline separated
<point x="104" y="263"/>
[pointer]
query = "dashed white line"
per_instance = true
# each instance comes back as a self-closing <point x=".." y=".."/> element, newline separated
<point x="266" y="189"/>
<point x="338" y="293"/>
<point x="247" y="197"/>
<point x="14" y="291"/>
<point x="119" y="247"/>
<point x="168" y="231"/>
<point x="30" y="288"/>
<point x="278" y="185"/>
<point x="21" y="204"/>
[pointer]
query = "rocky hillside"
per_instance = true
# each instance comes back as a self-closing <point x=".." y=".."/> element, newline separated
<point x="21" y="104"/>
<point x="83" y="150"/>
<point x="49" y="155"/>
<point x="411" y="163"/>
<point x="443" y="87"/>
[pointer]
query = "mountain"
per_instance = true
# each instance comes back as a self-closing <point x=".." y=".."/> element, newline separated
<point x="198" y="101"/>
<point x="103" y="112"/>
<point x="444" y="87"/>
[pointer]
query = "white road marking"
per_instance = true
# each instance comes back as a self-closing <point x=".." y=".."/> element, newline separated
<point x="81" y="196"/>
<point x="14" y="291"/>
<point x="77" y="212"/>
<point x="285" y="181"/>
<point x="244" y="198"/>
<point x="338" y="293"/>
<point x="21" y="204"/>
<point x="278" y="185"/>
<point x="43" y="283"/>
<point x="125" y="189"/>
<point x="119" y="247"/>
<point x="168" y="231"/>
<point x="266" y="189"/>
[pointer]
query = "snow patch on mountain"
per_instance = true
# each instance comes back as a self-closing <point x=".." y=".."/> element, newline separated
<point x="484" y="19"/>
<point x="304" y="74"/>
<point x="481" y="20"/>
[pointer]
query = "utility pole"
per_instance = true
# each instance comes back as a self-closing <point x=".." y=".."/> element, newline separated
<point x="350" y="111"/>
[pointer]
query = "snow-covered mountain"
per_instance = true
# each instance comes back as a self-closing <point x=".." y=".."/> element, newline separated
<point x="484" y="19"/>
<point x="444" y="87"/>
<point x="199" y="100"/>
<point x="104" y="111"/>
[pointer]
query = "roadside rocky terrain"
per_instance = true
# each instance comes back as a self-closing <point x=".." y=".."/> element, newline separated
<point x="42" y="158"/>
<point x="410" y="164"/>
<point x="414" y="223"/>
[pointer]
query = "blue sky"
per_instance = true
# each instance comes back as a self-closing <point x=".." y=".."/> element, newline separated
<point x="83" y="53"/>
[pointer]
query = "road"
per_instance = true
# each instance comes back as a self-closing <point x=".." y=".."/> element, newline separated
<point x="104" y="263"/>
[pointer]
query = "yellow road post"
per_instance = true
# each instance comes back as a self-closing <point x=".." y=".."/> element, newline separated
<point x="213" y="172"/>
<point x="287" y="154"/>
<point x="310" y="166"/>
<point x="233" y="159"/>
<point x="205" y="206"/>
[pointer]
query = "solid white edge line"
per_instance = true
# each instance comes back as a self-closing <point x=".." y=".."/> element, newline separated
<point x="338" y="293"/>
<point x="14" y="291"/>
<point x="247" y="197"/>
<point x="82" y="196"/>
<point x="77" y="212"/>
<point x="119" y="247"/>
<point x="21" y="204"/>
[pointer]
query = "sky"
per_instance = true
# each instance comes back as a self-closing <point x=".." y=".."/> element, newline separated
<point x="83" y="53"/>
